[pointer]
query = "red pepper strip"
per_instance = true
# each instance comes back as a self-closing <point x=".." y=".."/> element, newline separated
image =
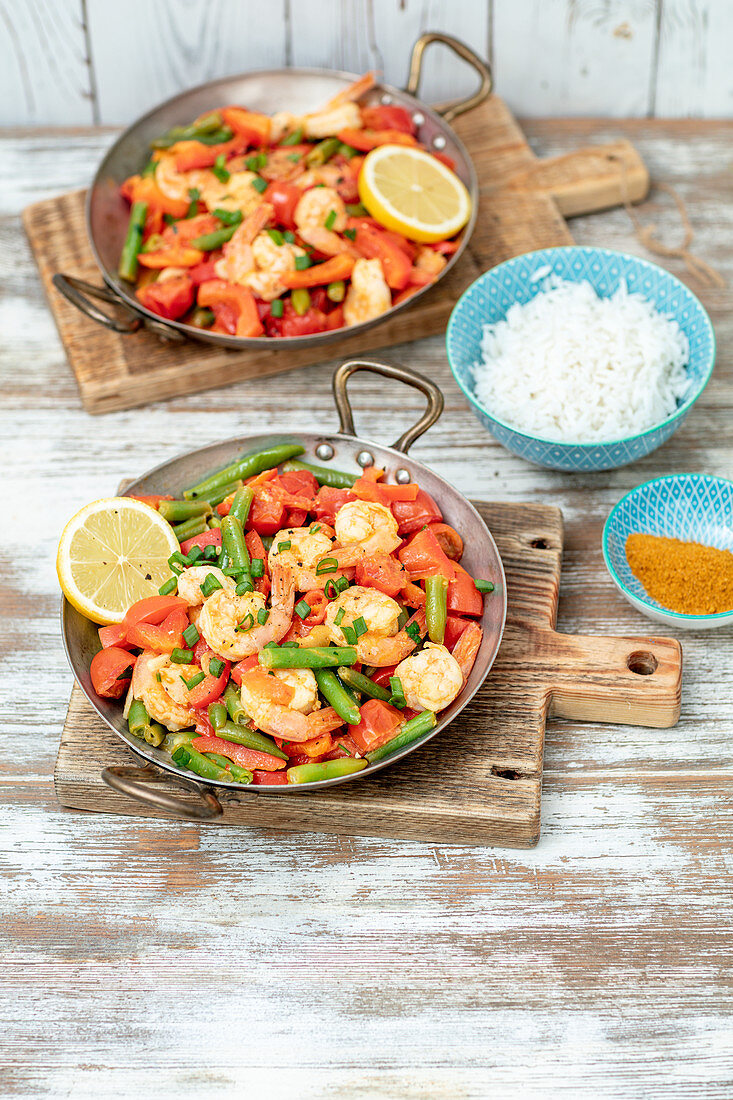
<point x="211" y="687"/>
<point x="246" y="123"/>
<point x="111" y="671"/>
<point x="379" y="724"/>
<point x="145" y="189"/>
<point x="411" y="516"/>
<point x="218" y="292"/>
<point x="365" y="489"/>
<point x="208" y="538"/>
<point x="240" y="754"/>
<point x="177" y="256"/>
<point x="163" y="638"/>
<point x="395" y="262"/>
<point x="256" y="549"/>
<point x="311" y="750"/>
<point x="114" y="635"/>
<point x="423" y="557"/>
<point x="269" y="779"/>
<point x="463" y="595"/>
<point x="365" y="140"/>
<point x="153" y="500"/>
<point x="238" y="670"/>
<point x="153" y="609"/>
<point x="170" y="298"/>
<point x="194" y="154"/>
<point x="413" y="595"/>
<point x="331" y="271"/>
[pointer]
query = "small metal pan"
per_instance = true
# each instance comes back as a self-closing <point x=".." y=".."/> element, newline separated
<point x="348" y="452"/>
<point x="107" y="213"/>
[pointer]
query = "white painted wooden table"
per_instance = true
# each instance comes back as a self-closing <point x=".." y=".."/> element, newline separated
<point x="178" y="961"/>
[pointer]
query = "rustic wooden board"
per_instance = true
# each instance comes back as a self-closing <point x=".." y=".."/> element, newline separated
<point x="522" y="200"/>
<point x="491" y="794"/>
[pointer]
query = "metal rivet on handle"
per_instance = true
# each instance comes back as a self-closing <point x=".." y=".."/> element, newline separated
<point x="418" y="119"/>
<point x="402" y="476"/>
<point x="365" y="458"/>
<point x="324" y="451"/>
<point x="439" y="141"/>
<point x="386" y="98"/>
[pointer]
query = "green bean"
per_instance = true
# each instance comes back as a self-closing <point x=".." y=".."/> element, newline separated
<point x="234" y="552"/>
<point x="242" y="503"/>
<point x="233" y="703"/>
<point x="322" y="152"/>
<point x="140" y="725"/>
<point x="336" y="292"/>
<point x="301" y="300"/>
<point x="267" y="541"/>
<point x="251" y="739"/>
<point x="227" y="490"/>
<point x="294" y="138"/>
<point x="175" y="511"/>
<point x="208" y="126"/>
<point x="336" y="479"/>
<point x="209" y="241"/>
<point x="356" y="210"/>
<point x="412" y="729"/>
<point x="187" y="757"/>
<point x="337" y="695"/>
<point x="347" y="151"/>
<point x="436" y="607"/>
<point x="247" y="465"/>
<point x="190" y="527"/>
<point x="326" y="769"/>
<point x="173" y="740"/>
<point x="311" y="657"/>
<point x="236" y="771"/>
<point x="202" y="318"/>
<point x="359" y="682"/>
<point x="127" y="267"/>
<point x="217" y="715"/>
<point x="213" y="521"/>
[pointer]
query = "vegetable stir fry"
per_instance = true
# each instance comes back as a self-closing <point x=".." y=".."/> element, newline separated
<point x="254" y="225"/>
<point x="313" y="622"/>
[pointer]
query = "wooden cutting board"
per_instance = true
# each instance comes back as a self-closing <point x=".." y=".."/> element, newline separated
<point x="479" y="781"/>
<point x="523" y="203"/>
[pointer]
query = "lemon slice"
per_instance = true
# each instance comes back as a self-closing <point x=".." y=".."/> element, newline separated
<point x="413" y="193"/>
<point x="113" y="552"/>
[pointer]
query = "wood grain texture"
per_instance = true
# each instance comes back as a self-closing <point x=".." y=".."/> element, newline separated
<point x="518" y="211"/>
<point x="596" y="964"/>
<point x="492" y="792"/>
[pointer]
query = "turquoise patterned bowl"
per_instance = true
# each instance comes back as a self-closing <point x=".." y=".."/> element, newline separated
<point x="488" y="299"/>
<point x="692" y="507"/>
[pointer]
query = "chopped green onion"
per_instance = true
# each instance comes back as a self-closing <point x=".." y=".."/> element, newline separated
<point x="232" y="570"/>
<point x="276" y="236"/>
<point x="289" y="236"/>
<point x="178" y="559"/>
<point x="210" y="552"/>
<point x="245" y="624"/>
<point x="339" y="617"/>
<point x="342" y="584"/>
<point x="336" y="292"/>
<point x="300" y="300"/>
<point x="191" y="635"/>
<point x="347" y="151"/>
<point x="398" y="692"/>
<point x="181" y="656"/>
<point x="326" y="565"/>
<point x="302" y="262"/>
<point x="315" y="529"/>
<point x="229" y="217"/>
<point x="169" y="219"/>
<point x="257" y="567"/>
<point x="262" y="616"/>
<point x="220" y="169"/>
<point x="242" y="587"/>
<point x="484" y="586"/>
<point x="194" y="195"/>
<point x="293" y="139"/>
<point x="330" y="590"/>
<point x="276" y="309"/>
<point x="255" y="163"/>
<point x="303" y="609"/>
<point x="284" y="545"/>
<point x="356" y="210"/>
<point x="342" y="746"/>
<point x="194" y="554"/>
<point x="259" y="184"/>
<point x="197" y="679"/>
<point x="210" y="584"/>
<point x="414" y="631"/>
<point x="294" y="157"/>
<point x="216" y="666"/>
<point x="350" y="634"/>
<point x="350" y="233"/>
<point x="169" y="586"/>
<point x="330" y="220"/>
<point x="360" y="626"/>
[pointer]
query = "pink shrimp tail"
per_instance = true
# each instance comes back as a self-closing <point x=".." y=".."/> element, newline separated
<point x="355" y="90"/>
<point x="467" y="647"/>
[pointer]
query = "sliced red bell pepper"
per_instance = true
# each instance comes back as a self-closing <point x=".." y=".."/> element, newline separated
<point x="178" y="255"/>
<point x="449" y="539"/>
<point x="153" y="609"/>
<point x="237" y="671"/>
<point x="379" y="724"/>
<point x="301" y="483"/>
<point x="111" y="672"/>
<point x="317" y="602"/>
<point x="145" y="189"/>
<point x="330" y="271"/>
<point x="283" y="197"/>
<point x="328" y="501"/>
<point x="153" y="499"/>
<point x="203" y="272"/>
<point x="388" y="118"/>
<point x="194" y="154"/>
<point x="464" y="597"/>
<point x="381" y="571"/>
<point x="454" y="627"/>
<point x="217" y="292"/>
<point x="375" y="245"/>
<point x="163" y="637"/>
<point x="370" y="139"/>
<point x="208" y="538"/>
<point x="170" y="299"/>
<point x="246" y="123"/>
<point x="295" y="517"/>
<point x="256" y="549"/>
<point x="211" y="687"/>
<point x="366" y="489"/>
<point x="266" y="517"/>
<point x="423" y="557"/>
<point x="411" y="515"/>
<point x="269" y="779"/>
<point x="240" y="754"/>
<point x="314" y="749"/>
<point x="114" y="635"/>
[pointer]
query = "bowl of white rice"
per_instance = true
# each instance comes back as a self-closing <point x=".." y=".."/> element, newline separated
<point x="580" y="358"/>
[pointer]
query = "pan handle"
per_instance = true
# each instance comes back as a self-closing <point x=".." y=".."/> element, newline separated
<point x="455" y="107"/>
<point x="388" y="370"/>
<point x="132" y="781"/>
<point x="76" y="291"/>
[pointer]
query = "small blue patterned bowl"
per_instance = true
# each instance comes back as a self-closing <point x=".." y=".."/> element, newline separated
<point x="692" y="507"/>
<point x="488" y="299"/>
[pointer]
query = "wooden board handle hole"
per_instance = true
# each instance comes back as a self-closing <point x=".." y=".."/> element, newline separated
<point x="642" y="663"/>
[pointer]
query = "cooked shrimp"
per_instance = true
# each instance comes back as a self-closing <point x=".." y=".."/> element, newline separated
<point x="171" y="273"/>
<point x="272" y="261"/>
<point x="313" y="210"/>
<point x="296" y="720"/>
<point x="175" y="184"/>
<point x="327" y="174"/>
<point x="368" y="524"/>
<point x="283" y="164"/>
<point x="373" y="650"/>
<point x="368" y="295"/>
<point x="340" y="113"/>
<point x="190" y="581"/>
<point x="157" y="683"/>
<point x="238" y="261"/>
<point x="429" y="260"/>
<point x="431" y="679"/>
<point x="225" y="623"/>
<point x="383" y="643"/>
<point x="466" y="648"/>
<point x="306" y="549"/>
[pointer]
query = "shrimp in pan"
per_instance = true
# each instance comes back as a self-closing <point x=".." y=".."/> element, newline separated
<point x="230" y="623"/>
<point x="368" y="525"/>
<point x="284" y="703"/>
<point x="368" y="295"/>
<point x="158" y="684"/>
<point x="300" y="549"/>
<point x="383" y="643"/>
<point x="190" y="581"/>
<point x="431" y="679"/>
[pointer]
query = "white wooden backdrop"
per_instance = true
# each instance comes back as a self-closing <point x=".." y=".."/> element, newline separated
<point x="79" y="62"/>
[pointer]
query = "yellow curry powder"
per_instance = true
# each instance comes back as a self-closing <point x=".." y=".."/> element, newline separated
<point x="682" y="576"/>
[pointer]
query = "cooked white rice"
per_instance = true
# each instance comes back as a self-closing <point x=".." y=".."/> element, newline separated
<point x="573" y="367"/>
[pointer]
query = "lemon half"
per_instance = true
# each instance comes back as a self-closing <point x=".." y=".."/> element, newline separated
<point x="113" y="552"/>
<point x="413" y="193"/>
